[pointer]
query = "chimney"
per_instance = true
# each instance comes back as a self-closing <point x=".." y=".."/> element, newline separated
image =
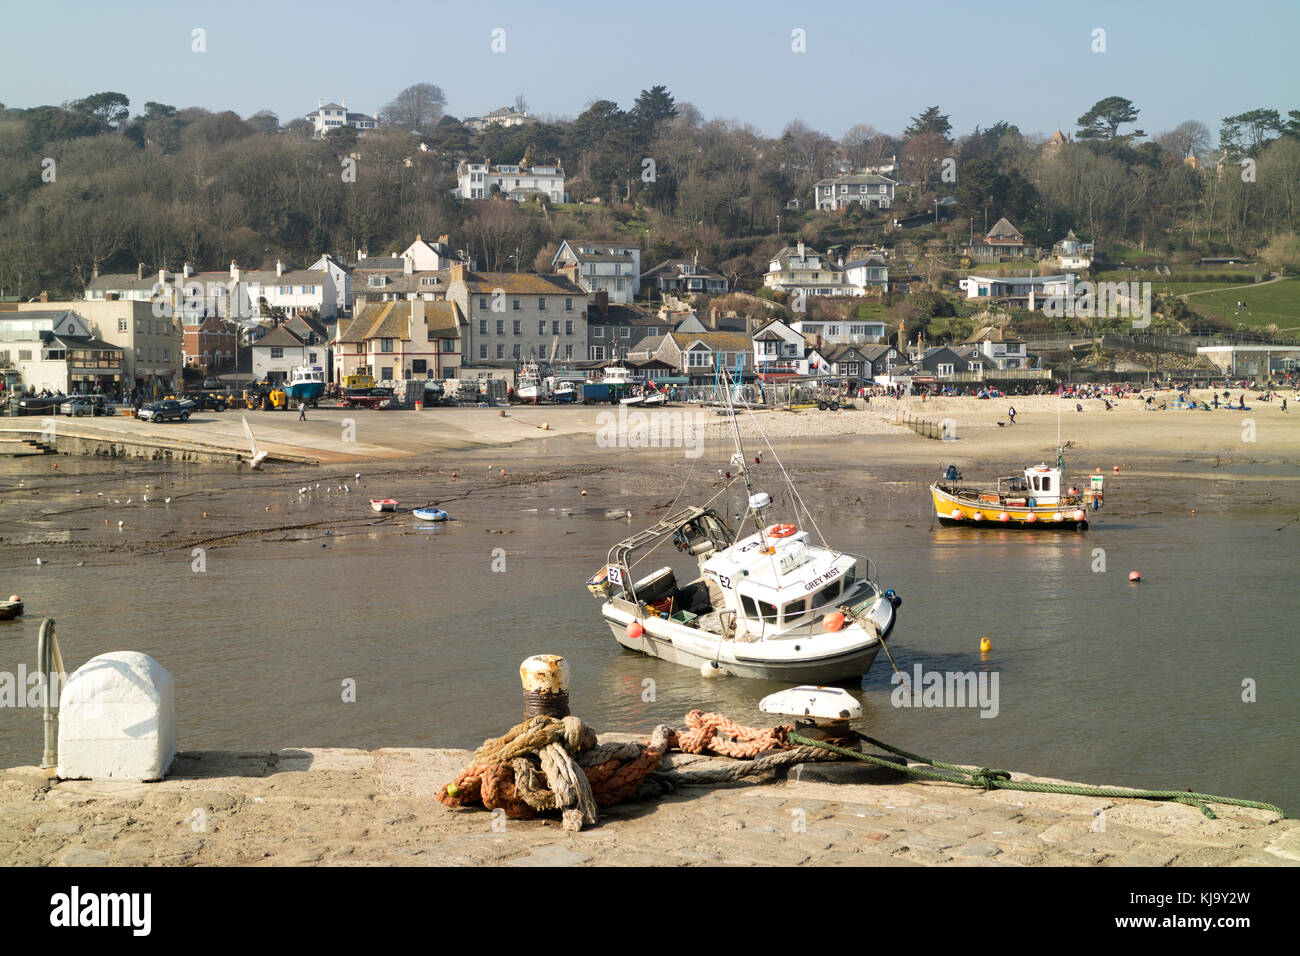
<point x="417" y="316"/>
<point x="408" y="266"/>
<point x="801" y="255"/>
<point x="570" y="272"/>
<point x="94" y="271"/>
<point x="445" y="240"/>
<point x="45" y="297"/>
<point x="418" y="237"/>
<point x="344" y="103"/>
<point x="601" y="300"/>
<point x="713" y="318"/>
<point x="457" y="272"/>
<point x="359" y="255"/>
<point x="320" y="104"/>
<point x="162" y="276"/>
<point x="139" y="272"/>
<point x="234" y="270"/>
<point x="358" y="304"/>
<point x="188" y="270"/>
<point x="279" y="268"/>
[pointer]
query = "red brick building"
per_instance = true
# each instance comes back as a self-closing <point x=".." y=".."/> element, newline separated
<point x="209" y="343"/>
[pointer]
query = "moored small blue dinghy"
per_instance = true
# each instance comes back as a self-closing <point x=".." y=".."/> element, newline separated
<point x="429" y="514"/>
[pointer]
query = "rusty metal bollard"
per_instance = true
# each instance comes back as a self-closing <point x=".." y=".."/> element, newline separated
<point x="545" y="678"/>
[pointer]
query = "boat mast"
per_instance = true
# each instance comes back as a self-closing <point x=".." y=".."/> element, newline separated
<point x="744" y="462"/>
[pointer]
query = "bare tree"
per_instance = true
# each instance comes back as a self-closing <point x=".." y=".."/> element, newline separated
<point x="416" y="108"/>
<point x="856" y="142"/>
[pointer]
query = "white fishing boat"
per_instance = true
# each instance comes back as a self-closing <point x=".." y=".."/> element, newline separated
<point x="775" y="604"/>
<point x="528" y="384"/>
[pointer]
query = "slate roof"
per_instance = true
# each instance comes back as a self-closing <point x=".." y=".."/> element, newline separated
<point x="523" y="283"/>
<point x="280" y="338"/>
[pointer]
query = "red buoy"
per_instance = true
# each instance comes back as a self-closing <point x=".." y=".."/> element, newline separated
<point x="635" y="630"/>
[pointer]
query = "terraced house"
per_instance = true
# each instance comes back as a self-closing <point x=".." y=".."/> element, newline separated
<point x="865" y="189"/>
<point x="518" y="316"/>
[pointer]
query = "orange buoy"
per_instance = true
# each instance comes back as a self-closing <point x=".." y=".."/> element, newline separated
<point x="956" y="514"/>
<point x="1031" y="517"/>
<point x="1134" y="577"/>
<point x="635" y="630"/>
<point x="781" y="530"/>
<point x="1004" y="517"/>
<point x="833" y="621"/>
<point x="985" y="645"/>
<point x="205" y="514"/>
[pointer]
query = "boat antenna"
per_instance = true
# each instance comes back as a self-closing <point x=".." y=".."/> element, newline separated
<point x="740" y="450"/>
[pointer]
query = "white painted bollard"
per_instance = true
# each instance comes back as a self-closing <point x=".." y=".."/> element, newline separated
<point x="117" y="719"/>
<point x="546" y="685"/>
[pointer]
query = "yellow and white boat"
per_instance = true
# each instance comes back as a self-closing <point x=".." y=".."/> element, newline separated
<point x="1038" y="498"/>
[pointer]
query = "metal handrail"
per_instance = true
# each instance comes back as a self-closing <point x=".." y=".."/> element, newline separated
<point x="50" y="662"/>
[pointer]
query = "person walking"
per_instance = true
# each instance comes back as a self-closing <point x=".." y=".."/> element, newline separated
<point x="1011" y="414"/>
<point x="302" y="410"/>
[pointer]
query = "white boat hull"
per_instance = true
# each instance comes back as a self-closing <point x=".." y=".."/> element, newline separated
<point x="845" y="655"/>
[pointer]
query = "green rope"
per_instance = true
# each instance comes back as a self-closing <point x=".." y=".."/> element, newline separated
<point x="987" y="779"/>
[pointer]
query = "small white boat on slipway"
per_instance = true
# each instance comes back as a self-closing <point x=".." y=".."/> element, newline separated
<point x="773" y="605"/>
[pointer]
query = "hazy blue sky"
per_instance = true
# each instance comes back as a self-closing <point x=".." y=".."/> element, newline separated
<point x="1030" y="63"/>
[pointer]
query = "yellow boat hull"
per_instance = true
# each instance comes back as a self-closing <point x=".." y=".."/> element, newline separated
<point x="950" y="508"/>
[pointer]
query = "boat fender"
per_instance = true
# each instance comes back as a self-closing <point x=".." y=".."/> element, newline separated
<point x="635" y="630"/>
<point x="833" y="621"/>
<point x="894" y="598"/>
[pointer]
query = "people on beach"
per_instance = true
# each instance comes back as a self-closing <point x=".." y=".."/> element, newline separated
<point x="1011" y="414"/>
<point x="302" y="410"/>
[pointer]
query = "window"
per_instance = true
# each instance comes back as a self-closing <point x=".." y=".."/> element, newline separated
<point x="386" y="373"/>
<point x="541" y="327"/>
<point x="501" y="326"/>
<point x="597" y="331"/>
<point x="515" y="304"/>
<point x="501" y="351"/>
<point x="624" y="332"/>
<point x="121" y="325"/>
<point x="517" y="330"/>
<point x="516" y="352"/>
<point x="541" y="304"/>
<point x="795" y="609"/>
<point x="827" y="594"/>
<point x="555" y="327"/>
<point x="448" y="345"/>
<point x="277" y="353"/>
<point x="482" y="351"/>
<point x="568" y="305"/>
<point x="311" y="358"/>
<point x="385" y="345"/>
<point x="568" y="351"/>
<point x="482" y="302"/>
<point x="1047" y="484"/>
<point x="767" y="612"/>
<point x="482" y="326"/>
<point x="568" y="327"/>
<point x="419" y="366"/>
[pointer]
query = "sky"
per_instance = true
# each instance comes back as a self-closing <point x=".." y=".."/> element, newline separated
<point x="1037" y="65"/>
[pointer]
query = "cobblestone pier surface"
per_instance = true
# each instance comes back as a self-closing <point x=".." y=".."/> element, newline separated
<point x="364" y="808"/>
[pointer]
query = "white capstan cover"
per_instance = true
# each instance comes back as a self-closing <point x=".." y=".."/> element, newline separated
<point x="820" y="703"/>
<point x="117" y="719"/>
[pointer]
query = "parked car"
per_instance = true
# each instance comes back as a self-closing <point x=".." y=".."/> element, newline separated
<point x="202" y="401"/>
<point x="85" y="405"/>
<point x="38" y="405"/>
<point x="166" y="410"/>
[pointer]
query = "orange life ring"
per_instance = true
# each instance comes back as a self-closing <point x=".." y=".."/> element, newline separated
<point x="781" y="530"/>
